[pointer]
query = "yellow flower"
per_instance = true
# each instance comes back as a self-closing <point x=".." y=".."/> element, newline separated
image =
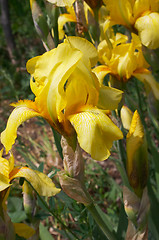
<point x="41" y="182"/>
<point x="140" y="15"/>
<point x="125" y="60"/>
<point x="67" y="96"/>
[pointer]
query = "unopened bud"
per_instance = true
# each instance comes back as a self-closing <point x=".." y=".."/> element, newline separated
<point x="73" y="161"/>
<point x="137" y="157"/>
<point x="74" y="188"/>
<point x="28" y="199"/>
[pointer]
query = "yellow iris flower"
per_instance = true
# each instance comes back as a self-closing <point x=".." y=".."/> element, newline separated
<point x="140" y="15"/>
<point x="68" y="95"/>
<point x="125" y="60"/>
<point x="41" y="182"/>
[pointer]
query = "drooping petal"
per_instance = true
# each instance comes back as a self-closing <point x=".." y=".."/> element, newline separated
<point x="149" y="80"/>
<point x="126" y="117"/>
<point x="23" y="230"/>
<point x="148" y="29"/>
<point x="24" y="110"/>
<point x="64" y="18"/>
<point x="109" y="98"/>
<point x="41" y="182"/>
<point x="95" y="132"/>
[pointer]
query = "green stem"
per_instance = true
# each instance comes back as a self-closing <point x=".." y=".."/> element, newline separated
<point x="52" y="213"/>
<point x="110" y="235"/>
<point x="55" y="25"/>
<point x="108" y="41"/>
<point x="57" y="138"/>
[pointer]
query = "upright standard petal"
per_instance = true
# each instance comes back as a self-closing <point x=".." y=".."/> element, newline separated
<point x="88" y="49"/>
<point x="24" y="110"/>
<point x="95" y="132"/>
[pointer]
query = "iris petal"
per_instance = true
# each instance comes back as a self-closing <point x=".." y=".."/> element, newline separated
<point x="41" y="182"/>
<point x="95" y="132"/>
<point x="21" y="113"/>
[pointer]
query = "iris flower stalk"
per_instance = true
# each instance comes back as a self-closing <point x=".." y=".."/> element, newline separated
<point x="70" y="97"/>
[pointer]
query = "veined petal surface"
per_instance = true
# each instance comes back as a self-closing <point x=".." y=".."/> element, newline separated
<point x="95" y="132"/>
<point x="41" y="182"/>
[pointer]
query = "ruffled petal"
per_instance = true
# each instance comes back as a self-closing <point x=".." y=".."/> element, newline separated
<point x="24" y="110"/>
<point x="41" y="182"/>
<point x="109" y="98"/>
<point x="88" y="49"/>
<point x="95" y="132"/>
<point x="148" y="29"/>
